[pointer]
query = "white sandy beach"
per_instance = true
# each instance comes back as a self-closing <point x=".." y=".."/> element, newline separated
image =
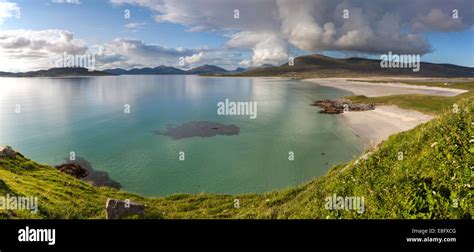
<point x="370" y="89"/>
<point x="377" y="125"/>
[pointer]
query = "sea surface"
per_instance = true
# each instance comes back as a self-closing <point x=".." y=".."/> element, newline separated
<point x="48" y="118"/>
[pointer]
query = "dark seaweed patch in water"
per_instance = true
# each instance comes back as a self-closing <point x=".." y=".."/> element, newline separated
<point x="199" y="129"/>
<point x="95" y="178"/>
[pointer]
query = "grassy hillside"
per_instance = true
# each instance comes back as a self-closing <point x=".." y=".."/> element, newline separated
<point x="436" y="171"/>
<point x="311" y="66"/>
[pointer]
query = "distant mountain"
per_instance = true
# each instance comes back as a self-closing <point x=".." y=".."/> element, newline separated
<point x="308" y="66"/>
<point x="117" y="71"/>
<point x="207" y="69"/>
<point x="260" y="67"/>
<point x="57" y="72"/>
<point x="146" y="71"/>
<point x="238" y="70"/>
<point x="322" y="66"/>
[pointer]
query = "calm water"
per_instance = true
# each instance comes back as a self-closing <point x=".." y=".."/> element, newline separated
<point x="86" y="115"/>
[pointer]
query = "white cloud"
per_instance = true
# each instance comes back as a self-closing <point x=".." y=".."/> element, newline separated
<point x="218" y="16"/>
<point x="195" y="58"/>
<point x="372" y="28"/>
<point x="67" y="1"/>
<point x="45" y="41"/>
<point x="266" y="31"/>
<point x="8" y="10"/>
<point x="269" y="51"/>
<point x="25" y="50"/>
<point x="134" y="25"/>
<point x="245" y="63"/>
<point x="36" y="49"/>
<point x="267" y="47"/>
<point x="127" y="52"/>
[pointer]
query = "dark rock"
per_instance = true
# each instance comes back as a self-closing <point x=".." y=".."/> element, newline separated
<point x="7" y="151"/>
<point x="95" y="178"/>
<point x="339" y="105"/>
<point x="118" y="209"/>
<point x="101" y="178"/>
<point x="73" y="169"/>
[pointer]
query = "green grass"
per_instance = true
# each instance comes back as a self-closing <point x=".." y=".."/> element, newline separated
<point x="429" y="104"/>
<point x="424" y="184"/>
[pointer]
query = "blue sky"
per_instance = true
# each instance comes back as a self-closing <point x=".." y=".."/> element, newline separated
<point x="269" y="31"/>
<point x="101" y="21"/>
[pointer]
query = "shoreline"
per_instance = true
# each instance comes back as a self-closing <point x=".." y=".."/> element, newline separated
<point x="375" y="126"/>
<point x="370" y="89"/>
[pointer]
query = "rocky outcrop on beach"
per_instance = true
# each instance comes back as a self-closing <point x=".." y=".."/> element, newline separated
<point x="118" y="209"/>
<point x="339" y="106"/>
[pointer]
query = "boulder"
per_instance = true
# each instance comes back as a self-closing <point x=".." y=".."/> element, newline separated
<point x="8" y="151"/>
<point x="93" y="177"/>
<point x="117" y="209"/>
<point x="73" y="169"/>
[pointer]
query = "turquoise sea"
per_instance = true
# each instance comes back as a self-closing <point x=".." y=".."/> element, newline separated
<point x="87" y="116"/>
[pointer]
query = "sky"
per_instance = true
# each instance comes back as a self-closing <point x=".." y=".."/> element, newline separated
<point x="230" y="33"/>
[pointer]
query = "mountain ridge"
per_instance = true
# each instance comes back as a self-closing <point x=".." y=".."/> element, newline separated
<point x="307" y="66"/>
<point x="316" y="65"/>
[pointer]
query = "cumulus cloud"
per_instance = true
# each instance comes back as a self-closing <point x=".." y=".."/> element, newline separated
<point x="130" y="52"/>
<point x="373" y="27"/>
<point x="245" y="63"/>
<point x="267" y="31"/>
<point x="8" y="10"/>
<point x="195" y="58"/>
<point x="218" y="16"/>
<point x="45" y="41"/>
<point x="267" y="47"/>
<point x="364" y="31"/>
<point x="36" y="49"/>
<point x="33" y="50"/>
<point x="438" y="20"/>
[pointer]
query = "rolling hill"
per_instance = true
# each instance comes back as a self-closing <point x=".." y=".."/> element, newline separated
<point x="322" y="66"/>
<point x="308" y="66"/>
<point x="159" y="70"/>
<point x="206" y="69"/>
<point x="57" y="72"/>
